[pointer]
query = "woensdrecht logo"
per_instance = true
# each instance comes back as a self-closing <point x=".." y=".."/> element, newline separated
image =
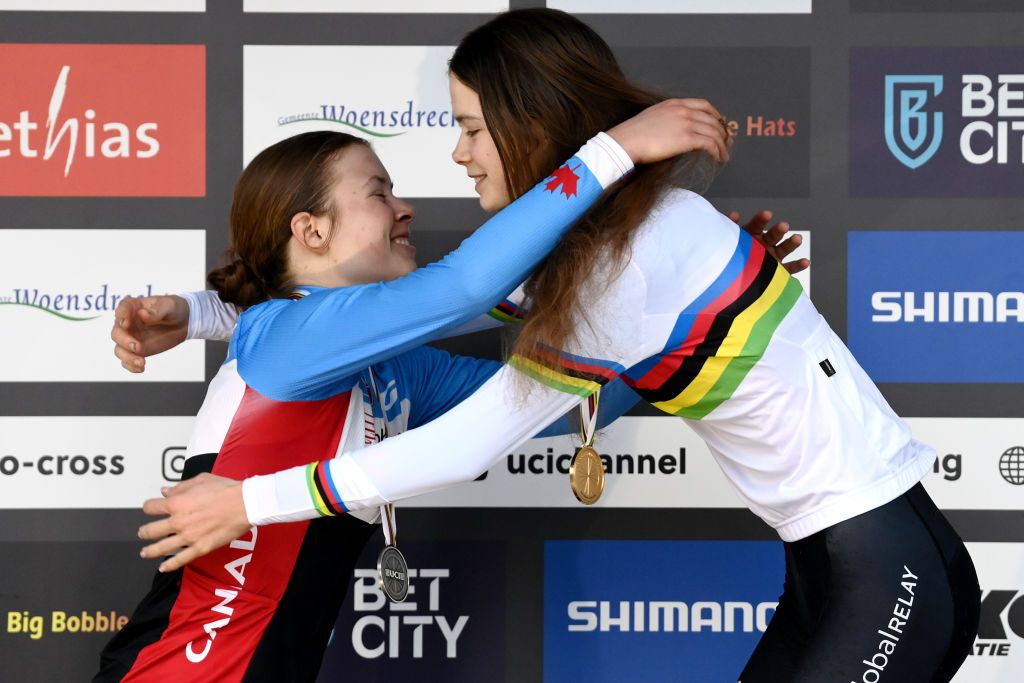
<point x="380" y="123"/>
<point x="73" y="306"/>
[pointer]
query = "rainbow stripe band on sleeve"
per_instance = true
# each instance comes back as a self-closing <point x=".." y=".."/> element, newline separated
<point x="322" y="490"/>
<point x="576" y="375"/>
<point x="720" y="336"/>
<point x="507" y="312"/>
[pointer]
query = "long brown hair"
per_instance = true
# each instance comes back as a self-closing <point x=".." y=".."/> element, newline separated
<point x="547" y="83"/>
<point x="289" y="177"/>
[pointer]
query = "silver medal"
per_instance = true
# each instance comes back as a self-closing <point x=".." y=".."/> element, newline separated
<point x="393" y="574"/>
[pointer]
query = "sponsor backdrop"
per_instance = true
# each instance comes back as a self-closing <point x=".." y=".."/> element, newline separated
<point x="57" y="305"/>
<point x="953" y="120"/>
<point x="451" y="627"/>
<point x="612" y="611"/>
<point x="104" y="120"/>
<point x="891" y="130"/>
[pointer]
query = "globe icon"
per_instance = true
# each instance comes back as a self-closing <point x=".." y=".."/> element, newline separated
<point x="1011" y="465"/>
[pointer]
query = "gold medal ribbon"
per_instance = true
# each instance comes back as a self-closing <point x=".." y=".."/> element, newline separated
<point x="586" y="473"/>
<point x="588" y="418"/>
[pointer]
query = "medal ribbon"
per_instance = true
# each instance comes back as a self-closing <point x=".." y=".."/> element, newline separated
<point x="588" y="418"/>
<point x="388" y="520"/>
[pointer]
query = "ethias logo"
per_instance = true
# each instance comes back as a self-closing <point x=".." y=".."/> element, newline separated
<point x="86" y="135"/>
<point x="103" y="120"/>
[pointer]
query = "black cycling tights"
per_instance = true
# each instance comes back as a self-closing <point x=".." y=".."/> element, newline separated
<point x="889" y="596"/>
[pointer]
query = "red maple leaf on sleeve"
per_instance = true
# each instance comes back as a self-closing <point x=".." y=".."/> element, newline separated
<point x="566" y="177"/>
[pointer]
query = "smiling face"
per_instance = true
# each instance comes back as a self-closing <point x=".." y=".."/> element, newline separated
<point x="364" y="238"/>
<point x="372" y="237"/>
<point x="475" y="149"/>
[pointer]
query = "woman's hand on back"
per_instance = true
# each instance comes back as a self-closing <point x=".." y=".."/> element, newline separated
<point x="674" y="127"/>
<point x="146" y="326"/>
<point x="774" y="239"/>
<point x="203" y="514"/>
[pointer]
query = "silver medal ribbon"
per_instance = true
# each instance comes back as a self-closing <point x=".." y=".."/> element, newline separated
<point x="392" y="570"/>
<point x="374" y="435"/>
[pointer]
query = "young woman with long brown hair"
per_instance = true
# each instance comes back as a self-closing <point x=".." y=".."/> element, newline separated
<point x="655" y="286"/>
<point x="322" y="263"/>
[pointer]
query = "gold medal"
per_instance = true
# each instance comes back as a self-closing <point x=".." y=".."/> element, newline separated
<point x="586" y="475"/>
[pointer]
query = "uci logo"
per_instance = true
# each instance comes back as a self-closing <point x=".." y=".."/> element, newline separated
<point x="911" y="134"/>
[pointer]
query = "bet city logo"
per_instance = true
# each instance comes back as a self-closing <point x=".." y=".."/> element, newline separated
<point x="374" y="634"/>
<point x="910" y="134"/>
<point x="914" y="133"/>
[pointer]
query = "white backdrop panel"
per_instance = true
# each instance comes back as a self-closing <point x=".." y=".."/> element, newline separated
<point x="394" y="96"/>
<point x="59" y="289"/>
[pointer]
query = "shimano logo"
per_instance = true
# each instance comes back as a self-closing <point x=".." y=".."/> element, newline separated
<point x="947" y="307"/>
<point x="664" y="616"/>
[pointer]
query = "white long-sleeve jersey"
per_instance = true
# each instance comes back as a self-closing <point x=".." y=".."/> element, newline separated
<point x="703" y="324"/>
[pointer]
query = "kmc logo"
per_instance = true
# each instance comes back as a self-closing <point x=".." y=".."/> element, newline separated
<point x="995" y="603"/>
<point x="911" y="136"/>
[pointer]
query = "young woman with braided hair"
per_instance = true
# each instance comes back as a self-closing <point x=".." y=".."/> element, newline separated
<point x="335" y="308"/>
